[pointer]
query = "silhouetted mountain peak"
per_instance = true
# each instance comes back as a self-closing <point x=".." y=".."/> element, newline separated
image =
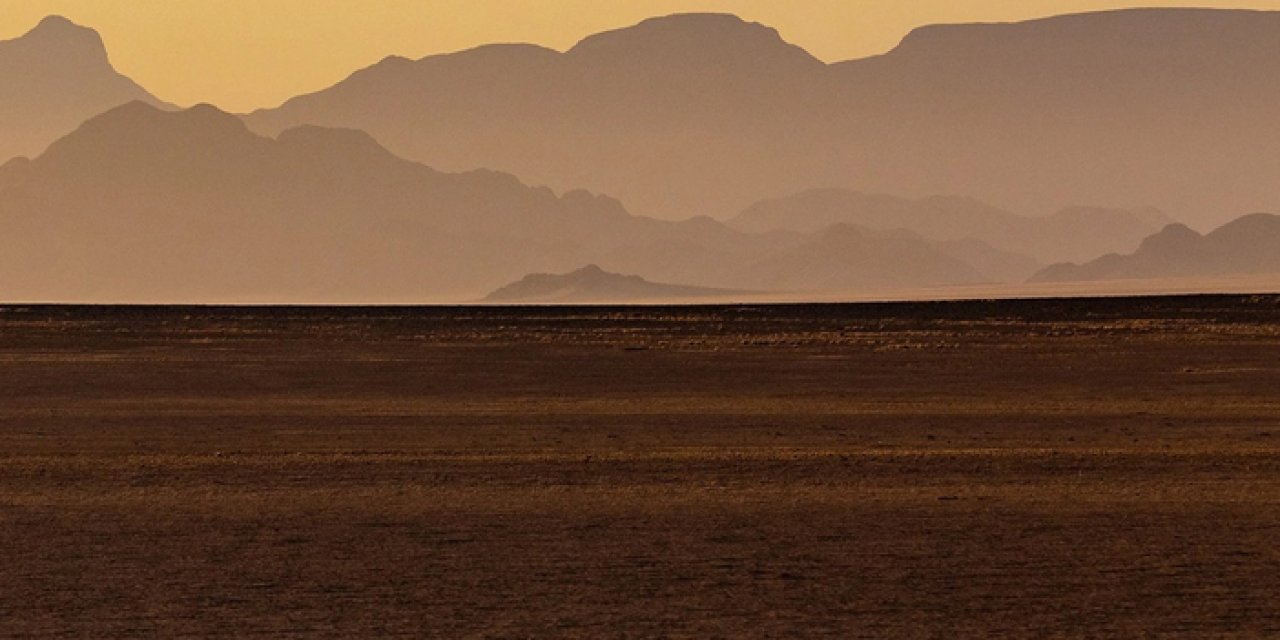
<point x="1173" y="239"/>
<point x="59" y="27"/>
<point x="710" y="38"/>
<point x="588" y="271"/>
<point x="505" y="53"/>
<point x="139" y="125"/>
<point x="590" y="280"/>
<point x="1252" y="222"/>
<point x="393" y="61"/>
<point x="479" y="62"/>
<point x="1244" y="246"/>
<point x="52" y="79"/>
<point x="593" y="284"/>
<point x="132" y="110"/>
<point x="142" y="116"/>
<point x="1249" y="230"/>
<point x="58" y="36"/>
<point x="207" y="113"/>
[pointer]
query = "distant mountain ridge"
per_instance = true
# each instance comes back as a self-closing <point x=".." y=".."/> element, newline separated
<point x="591" y="284"/>
<point x="1076" y="233"/>
<point x="1246" y="246"/>
<point x="706" y="40"/>
<point x="145" y="205"/>
<point x="847" y="258"/>
<point x="706" y="114"/>
<point x="53" y="78"/>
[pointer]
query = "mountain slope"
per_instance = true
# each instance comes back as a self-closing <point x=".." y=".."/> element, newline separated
<point x="591" y="284"/>
<point x="51" y="80"/>
<point x="1245" y="246"/>
<point x="699" y="114"/>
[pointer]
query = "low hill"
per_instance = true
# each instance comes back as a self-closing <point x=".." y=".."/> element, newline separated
<point x="1247" y="246"/>
<point x="591" y="284"/>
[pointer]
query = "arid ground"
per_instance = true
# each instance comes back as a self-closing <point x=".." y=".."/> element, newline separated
<point x="1088" y="468"/>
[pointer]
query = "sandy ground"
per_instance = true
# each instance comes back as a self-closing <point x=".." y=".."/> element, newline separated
<point x="1081" y="468"/>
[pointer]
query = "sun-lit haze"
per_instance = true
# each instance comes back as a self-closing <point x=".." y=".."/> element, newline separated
<point x="245" y="54"/>
<point x="696" y="152"/>
<point x="532" y="318"/>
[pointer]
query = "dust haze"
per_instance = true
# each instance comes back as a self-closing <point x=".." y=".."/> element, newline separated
<point x="677" y="332"/>
<point x="697" y="150"/>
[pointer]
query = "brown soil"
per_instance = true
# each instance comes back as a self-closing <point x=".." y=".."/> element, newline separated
<point x="1085" y="468"/>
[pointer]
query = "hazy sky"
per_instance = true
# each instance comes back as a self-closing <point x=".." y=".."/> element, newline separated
<point x="242" y="54"/>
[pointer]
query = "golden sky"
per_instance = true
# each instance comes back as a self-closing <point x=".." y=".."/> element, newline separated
<point x="243" y="54"/>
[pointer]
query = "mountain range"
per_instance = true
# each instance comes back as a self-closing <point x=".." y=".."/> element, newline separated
<point x="706" y="114"/>
<point x="372" y="191"/>
<point x="1246" y="246"/>
<point x="1075" y="233"/>
<point x="144" y="204"/>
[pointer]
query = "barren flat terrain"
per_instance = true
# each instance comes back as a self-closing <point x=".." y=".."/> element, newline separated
<point x="1086" y="468"/>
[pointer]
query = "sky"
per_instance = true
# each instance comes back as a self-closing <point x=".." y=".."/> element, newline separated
<point x="245" y="54"/>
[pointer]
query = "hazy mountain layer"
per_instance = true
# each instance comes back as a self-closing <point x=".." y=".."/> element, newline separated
<point x="141" y="204"/>
<point x="51" y="80"/>
<point x="1246" y="246"/>
<point x="706" y="114"/>
<point x="1077" y="233"/>
<point x="846" y="258"/>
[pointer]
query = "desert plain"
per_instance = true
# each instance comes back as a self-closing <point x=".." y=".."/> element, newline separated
<point x="1024" y="468"/>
